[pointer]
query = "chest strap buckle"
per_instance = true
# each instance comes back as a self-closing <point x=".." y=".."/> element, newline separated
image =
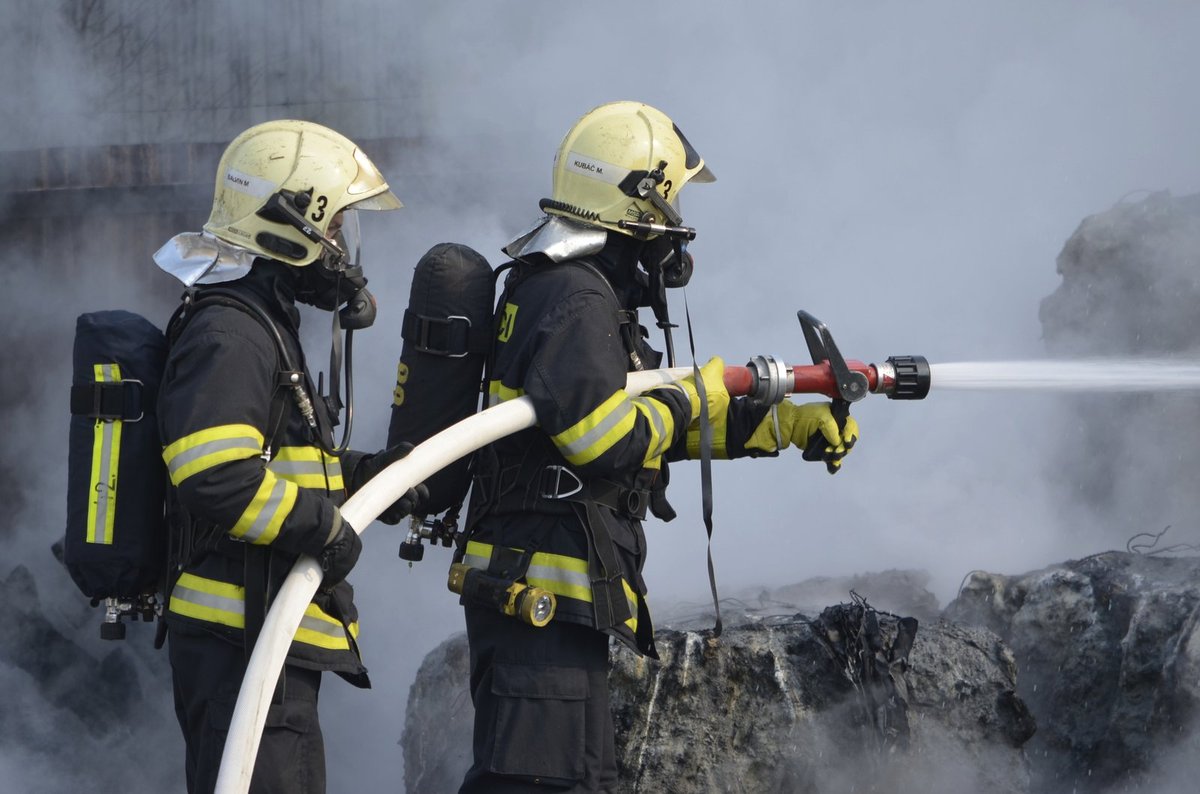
<point x="552" y="483"/>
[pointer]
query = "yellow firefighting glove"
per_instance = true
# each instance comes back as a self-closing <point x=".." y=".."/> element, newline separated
<point x="717" y="396"/>
<point x="713" y="376"/>
<point x="810" y="427"/>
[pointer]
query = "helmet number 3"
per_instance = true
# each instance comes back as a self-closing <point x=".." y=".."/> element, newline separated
<point x="667" y="190"/>
<point x="322" y="202"/>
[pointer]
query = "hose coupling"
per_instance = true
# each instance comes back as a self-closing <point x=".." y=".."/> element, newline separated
<point x="771" y="379"/>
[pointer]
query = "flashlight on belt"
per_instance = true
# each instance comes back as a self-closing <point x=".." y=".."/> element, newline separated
<point x="532" y="605"/>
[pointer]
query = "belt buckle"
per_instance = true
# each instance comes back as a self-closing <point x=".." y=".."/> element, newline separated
<point x="554" y="492"/>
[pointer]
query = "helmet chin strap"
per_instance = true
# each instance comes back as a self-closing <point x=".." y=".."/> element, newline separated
<point x="657" y="292"/>
<point x="658" y="281"/>
<point x="334" y="398"/>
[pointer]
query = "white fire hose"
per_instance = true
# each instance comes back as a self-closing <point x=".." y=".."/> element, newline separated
<point x="287" y="610"/>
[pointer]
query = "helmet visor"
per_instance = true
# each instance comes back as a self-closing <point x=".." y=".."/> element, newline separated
<point x="692" y="159"/>
<point x="368" y="180"/>
<point x="384" y="201"/>
<point x="346" y="234"/>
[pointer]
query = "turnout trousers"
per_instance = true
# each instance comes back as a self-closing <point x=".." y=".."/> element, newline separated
<point x="207" y="673"/>
<point x="542" y="716"/>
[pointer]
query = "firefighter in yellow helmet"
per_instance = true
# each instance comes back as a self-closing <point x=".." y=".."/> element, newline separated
<point x="256" y="475"/>
<point x="561" y="506"/>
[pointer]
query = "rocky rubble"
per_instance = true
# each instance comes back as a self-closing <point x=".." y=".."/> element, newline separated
<point x="1109" y="654"/>
<point x="1080" y="677"/>
<point x="780" y="703"/>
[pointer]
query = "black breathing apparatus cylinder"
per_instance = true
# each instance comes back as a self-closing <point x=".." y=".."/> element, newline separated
<point x="115" y="545"/>
<point x="447" y="334"/>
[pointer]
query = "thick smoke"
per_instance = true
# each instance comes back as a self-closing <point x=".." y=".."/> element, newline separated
<point x="907" y="173"/>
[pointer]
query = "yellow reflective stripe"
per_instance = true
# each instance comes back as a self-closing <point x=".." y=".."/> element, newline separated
<point x="210" y="447"/>
<point x="220" y="602"/>
<point x="320" y="629"/>
<point x="558" y="573"/>
<point x="259" y="523"/>
<point x="595" y="434"/>
<point x="209" y="600"/>
<point x="632" y="598"/>
<point x="308" y="467"/>
<point x="662" y="429"/>
<point x="498" y="393"/>
<point x="106" y="452"/>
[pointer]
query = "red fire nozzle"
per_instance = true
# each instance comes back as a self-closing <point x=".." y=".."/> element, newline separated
<point x="767" y="379"/>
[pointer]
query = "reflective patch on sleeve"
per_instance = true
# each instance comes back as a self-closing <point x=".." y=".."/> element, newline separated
<point x="662" y="429"/>
<point x="596" y="433"/>
<point x="271" y="505"/>
<point x="308" y="467"/>
<point x="204" y="449"/>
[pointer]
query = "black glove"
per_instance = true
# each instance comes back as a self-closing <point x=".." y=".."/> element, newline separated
<point x="340" y="554"/>
<point x="370" y="465"/>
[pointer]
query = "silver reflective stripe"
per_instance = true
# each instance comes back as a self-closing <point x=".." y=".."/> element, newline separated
<point x="572" y="578"/>
<point x="209" y="447"/>
<point x="105" y="495"/>
<point x="597" y="433"/>
<point x="334" y="630"/>
<point x="544" y="572"/>
<point x="297" y="468"/>
<point x="104" y="501"/>
<point x="255" y="530"/>
<point x="200" y="598"/>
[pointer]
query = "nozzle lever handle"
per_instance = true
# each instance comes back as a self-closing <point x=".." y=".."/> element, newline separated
<point x="851" y="385"/>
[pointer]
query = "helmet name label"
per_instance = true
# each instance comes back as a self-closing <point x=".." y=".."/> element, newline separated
<point x="248" y="183"/>
<point x="596" y="169"/>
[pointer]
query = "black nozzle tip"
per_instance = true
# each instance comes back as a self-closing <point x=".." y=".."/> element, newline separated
<point x="912" y="377"/>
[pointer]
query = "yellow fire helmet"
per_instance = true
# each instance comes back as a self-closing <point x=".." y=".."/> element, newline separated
<point x="624" y="161"/>
<point x="279" y="185"/>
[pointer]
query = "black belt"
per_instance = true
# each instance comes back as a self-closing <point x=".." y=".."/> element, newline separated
<point x="557" y="483"/>
<point x="556" y="487"/>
